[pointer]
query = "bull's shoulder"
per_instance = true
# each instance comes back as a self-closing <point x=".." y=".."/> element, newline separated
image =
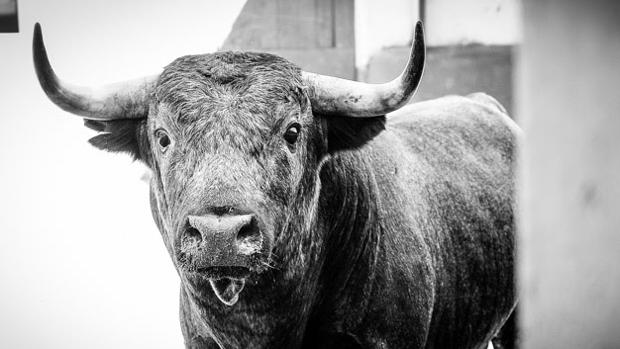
<point x="487" y="100"/>
<point x="453" y="150"/>
<point x="456" y="128"/>
<point x="476" y="109"/>
<point x="453" y="147"/>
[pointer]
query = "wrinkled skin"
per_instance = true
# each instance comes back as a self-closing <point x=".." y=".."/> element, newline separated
<point x="377" y="234"/>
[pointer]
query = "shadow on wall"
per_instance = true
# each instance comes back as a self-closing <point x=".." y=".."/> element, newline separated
<point x="451" y="70"/>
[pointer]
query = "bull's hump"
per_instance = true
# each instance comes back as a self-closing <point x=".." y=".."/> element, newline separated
<point x="477" y="117"/>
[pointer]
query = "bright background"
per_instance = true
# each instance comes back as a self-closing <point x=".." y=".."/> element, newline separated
<point x="82" y="264"/>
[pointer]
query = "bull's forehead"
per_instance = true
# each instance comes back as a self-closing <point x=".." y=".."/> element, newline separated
<point x="229" y="83"/>
<point x="234" y="98"/>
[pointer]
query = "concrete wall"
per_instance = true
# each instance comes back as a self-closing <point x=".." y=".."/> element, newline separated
<point x="451" y="70"/>
<point x="389" y="23"/>
<point x="570" y="178"/>
<point x="470" y="46"/>
<point x="317" y="35"/>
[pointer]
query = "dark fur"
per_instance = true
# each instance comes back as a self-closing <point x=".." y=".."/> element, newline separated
<point x="408" y="244"/>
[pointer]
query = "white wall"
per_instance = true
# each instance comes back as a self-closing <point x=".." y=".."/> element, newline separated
<point x="82" y="264"/>
<point x="481" y="21"/>
<point x="381" y="24"/>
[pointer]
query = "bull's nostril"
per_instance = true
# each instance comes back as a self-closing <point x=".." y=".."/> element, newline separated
<point x="249" y="238"/>
<point x="193" y="234"/>
<point x="249" y="230"/>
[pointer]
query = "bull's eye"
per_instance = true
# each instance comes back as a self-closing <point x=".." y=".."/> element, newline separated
<point x="163" y="140"/>
<point x="292" y="133"/>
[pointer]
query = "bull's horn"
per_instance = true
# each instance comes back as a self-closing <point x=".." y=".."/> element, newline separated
<point x="335" y="96"/>
<point x="124" y="100"/>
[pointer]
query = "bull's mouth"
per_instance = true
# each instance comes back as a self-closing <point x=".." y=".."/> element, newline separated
<point x="227" y="289"/>
<point x="224" y="272"/>
<point x="226" y="282"/>
<point x="205" y="273"/>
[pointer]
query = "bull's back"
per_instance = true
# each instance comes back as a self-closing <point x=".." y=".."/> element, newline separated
<point x="455" y="167"/>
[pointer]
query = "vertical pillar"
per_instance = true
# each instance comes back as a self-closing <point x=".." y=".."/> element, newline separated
<point x="569" y="107"/>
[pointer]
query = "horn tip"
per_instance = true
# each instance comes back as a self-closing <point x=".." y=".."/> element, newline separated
<point x="37" y="38"/>
<point x="45" y="74"/>
<point x="37" y="32"/>
<point x="419" y="29"/>
<point x="38" y="48"/>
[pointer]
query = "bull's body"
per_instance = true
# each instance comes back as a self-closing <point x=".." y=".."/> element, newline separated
<point x="299" y="216"/>
<point x="419" y="244"/>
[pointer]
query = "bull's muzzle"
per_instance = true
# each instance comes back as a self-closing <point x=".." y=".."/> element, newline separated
<point x="222" y="241"/>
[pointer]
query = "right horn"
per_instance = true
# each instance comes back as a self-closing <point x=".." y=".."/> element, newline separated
<point x="334" y="96"/>
<point x="125" y="100"/>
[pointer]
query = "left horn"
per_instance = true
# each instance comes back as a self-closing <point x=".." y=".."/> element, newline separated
<point x="125" y="100"/>
<point x="335" y="96"/>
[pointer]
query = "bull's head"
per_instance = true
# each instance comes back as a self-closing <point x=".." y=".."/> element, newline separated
<point x="235" y="143"/>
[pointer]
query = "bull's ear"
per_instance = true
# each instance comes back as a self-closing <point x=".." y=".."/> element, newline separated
<point x="124" y="136"/>
<point x="345" y="133"/>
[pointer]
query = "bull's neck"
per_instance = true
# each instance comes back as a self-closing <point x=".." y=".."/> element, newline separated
<point x="349" y="204"/>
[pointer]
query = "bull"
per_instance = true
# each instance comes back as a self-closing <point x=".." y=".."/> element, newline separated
<point x="308" y="211"/>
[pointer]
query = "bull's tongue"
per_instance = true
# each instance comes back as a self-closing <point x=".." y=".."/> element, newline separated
<point x="227" y="289"/>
